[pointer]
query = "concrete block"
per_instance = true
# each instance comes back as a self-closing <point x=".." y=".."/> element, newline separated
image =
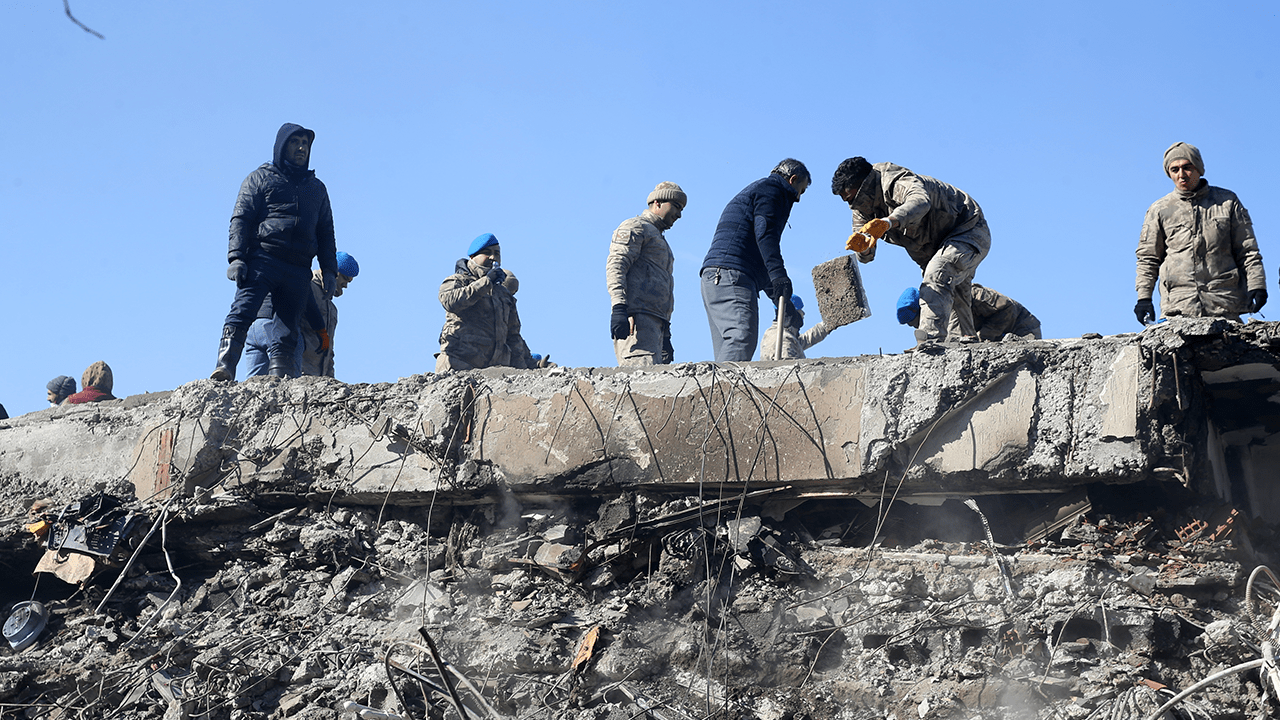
<point x="841" y="297"/>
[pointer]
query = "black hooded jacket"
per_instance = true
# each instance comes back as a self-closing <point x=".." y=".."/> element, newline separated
<point x="283" y="211"/>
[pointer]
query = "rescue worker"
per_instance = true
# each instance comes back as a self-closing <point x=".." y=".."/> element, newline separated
<point x="638" y="276"/>
<point x="1198" y="240"/>
<point x="746" y="257"/>
<point x="794" y="342"/>
<point x="282" y="219"/>
<point x="995" y="316"/>
<point x="940" y="227"/>
<point x="97" y="382"/>
<point x="318" y="328"/>
<point x="481" y="327"/>
<point x="59" y="389"/>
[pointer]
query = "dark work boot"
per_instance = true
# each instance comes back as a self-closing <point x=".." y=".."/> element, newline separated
<point x="279" y="367"/>
<point x="229" y="353"/>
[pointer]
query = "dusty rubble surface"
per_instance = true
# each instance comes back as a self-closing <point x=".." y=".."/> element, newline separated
<point x="737" y="608"/>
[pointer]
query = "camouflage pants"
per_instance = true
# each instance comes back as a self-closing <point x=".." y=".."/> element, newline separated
<point x="644" y="346"/>
<point x="946" y="295"/>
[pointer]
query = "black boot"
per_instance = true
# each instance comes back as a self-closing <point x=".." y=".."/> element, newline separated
<point x="229" y="353"/>
<point x="279" y="367"/>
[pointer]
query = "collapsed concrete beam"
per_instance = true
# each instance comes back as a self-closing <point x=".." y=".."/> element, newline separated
<point x="982" y="418"/>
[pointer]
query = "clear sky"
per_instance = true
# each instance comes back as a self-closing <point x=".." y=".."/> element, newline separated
<point x="547" y="124"/>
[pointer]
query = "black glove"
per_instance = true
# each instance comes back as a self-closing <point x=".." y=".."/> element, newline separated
<point x="238" y="272"/>
<point x="496" y="275"/>
<point x="329" y="282"/>
<point x="1145" y="311"/>
<point x="1257" y="298"/>
<point x="668" y="352"/>
<point x="620" y="322"/>
<point x="781" y="290"/>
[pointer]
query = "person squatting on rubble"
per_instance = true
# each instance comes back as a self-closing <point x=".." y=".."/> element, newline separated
<point x="313" y="353"/>
<point x="481" y="325"/>
<point x="746" y="257"/>
<point x="60" y="388"/>
<point x="794" y="342"/>
<point x="638" y="275"/>
<point x="96" y="381"/>
<point x="940" y="227"/>
<point x="1198" y="240"/>
<point x="995" y="316"/>
<point x="282" y="219"/>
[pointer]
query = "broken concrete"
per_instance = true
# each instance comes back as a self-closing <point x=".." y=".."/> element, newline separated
<point x="841" y="297"/>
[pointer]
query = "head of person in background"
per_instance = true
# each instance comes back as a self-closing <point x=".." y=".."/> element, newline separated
<point x="97" y="382"/>
<point x="60" y="388"/>
<point x="348" y="269"/>
<point x="909" y="307"/>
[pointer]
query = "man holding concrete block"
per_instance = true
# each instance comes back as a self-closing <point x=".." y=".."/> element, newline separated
<point x="939" y="226"/>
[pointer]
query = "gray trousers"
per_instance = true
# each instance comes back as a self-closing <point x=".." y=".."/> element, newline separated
<point x="644" y="346"/>
<point x="733" y="313"/>
<point x="946" y="295"/>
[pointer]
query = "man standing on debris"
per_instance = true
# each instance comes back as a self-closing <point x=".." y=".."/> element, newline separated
<point x="59" y="389"/>
<point x="281" y="221"/>
<point x="1198" y="240"/>
<point x="97" y="382"/>
<point x="940" y="226"/>
<point x="746" y="257"/>
<point x="995" y="316"/>
<point x="641" y="286"/>
<point x="481" y="326"/>
<point x="794" y="342"/>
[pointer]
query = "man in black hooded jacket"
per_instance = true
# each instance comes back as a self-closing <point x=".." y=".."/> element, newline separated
<point x="281" y="221"/>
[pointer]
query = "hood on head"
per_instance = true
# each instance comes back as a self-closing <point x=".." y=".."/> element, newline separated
<point x="282" y="137"/>
<point x="97" y="375"/>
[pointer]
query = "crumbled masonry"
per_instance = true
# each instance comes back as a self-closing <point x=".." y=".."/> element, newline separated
<point x="765" y="541"/>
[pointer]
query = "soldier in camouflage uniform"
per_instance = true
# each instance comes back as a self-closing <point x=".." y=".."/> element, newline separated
<point x="940" y="226"/>
<point x="1198" y="241"/>
<point x="641" y="286"/>
<point x="994" y="315"/>
<point x="481" y="327"/>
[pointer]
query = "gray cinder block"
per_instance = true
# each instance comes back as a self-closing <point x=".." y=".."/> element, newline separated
<point x="841" y="297"/>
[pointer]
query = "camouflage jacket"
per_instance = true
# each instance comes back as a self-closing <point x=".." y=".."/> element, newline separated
<point x="793" y="343"/>
<point x="638" y="271"/>
<point x="1203" y="251"/>
<point x="314" y="360"/>
<point x="481" y="326"/>
<point x="995" y="314"/>
<point x="928" y="212"/>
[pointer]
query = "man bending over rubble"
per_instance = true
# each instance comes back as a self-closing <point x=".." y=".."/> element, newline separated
<point x="1198" y="240"/>
<point x="794" y="342"/>
<point x="995" y="316"/>
<point x="641" y="286"/>
<point x="481" y="326"/>
<point x="940" y="226"/>
<point x="281" y="221"/>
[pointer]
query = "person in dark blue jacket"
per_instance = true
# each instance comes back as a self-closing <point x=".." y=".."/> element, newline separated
<point x="281" y="221"/>
<point x="746" y="257"/>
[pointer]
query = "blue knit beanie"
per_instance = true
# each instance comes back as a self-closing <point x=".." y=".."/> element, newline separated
<point x="908" y="306"/>
<point x="347" y="265"/>
<point x="797" y="302"/>
<point x="62" y="385"/>
<point x="481" y="242"/>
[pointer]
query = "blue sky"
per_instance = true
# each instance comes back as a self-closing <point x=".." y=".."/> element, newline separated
<point x="547" y="124"/>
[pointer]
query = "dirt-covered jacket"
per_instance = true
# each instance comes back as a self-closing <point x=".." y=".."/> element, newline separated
<point x="927" y="212"/>
<point x="995" y="315"/>
<point x="481" y="326"/>
<point x="638" y="271"/>
<point x="323" y="315"/>
<point x="1203" y="251"/>
<point x="793" y="343"/>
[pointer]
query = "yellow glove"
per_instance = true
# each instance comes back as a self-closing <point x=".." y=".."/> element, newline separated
<point x="860" y="242"/>
<point x="875" y="228"/>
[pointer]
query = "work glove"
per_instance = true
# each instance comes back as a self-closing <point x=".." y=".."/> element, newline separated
<point x="875" y="228"/>
<point x="1257" y="298"/>
<point x="325" y="342"/>
<point x="1145" y="311"/>
<point x="620" y="322"/>
<point x="238" y="272"/>
<point x="668" y="352"/>
<point x="859" y="242"/>
<point x="496" y="275"/>
<point x="781" y="290"/>
<point x="329" y="282"/>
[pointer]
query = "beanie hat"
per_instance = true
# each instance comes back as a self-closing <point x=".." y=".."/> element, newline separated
<point x="797" y="302"/>
<point x="62" y="385"/>
<point x="481" y="242"/>
<point x="1183" y="151"/>
<point x="908" y="306"/>
<point x="850" y="174"/>
<point x="347" y="265"/>
<point x="668" y="191"/>
<point x="97" y="375"/>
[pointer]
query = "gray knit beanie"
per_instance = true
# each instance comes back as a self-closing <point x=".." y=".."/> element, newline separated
<point x="62" y="386"/>
<point x="1183" y="151"/>
<point x="668" y="191"/>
